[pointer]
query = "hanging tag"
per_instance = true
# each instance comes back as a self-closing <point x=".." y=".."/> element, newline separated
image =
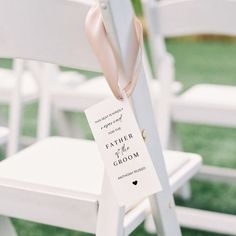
<point x="125" y="156"/>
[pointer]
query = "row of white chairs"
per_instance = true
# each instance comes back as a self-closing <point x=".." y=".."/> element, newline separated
<point x="198" y="105"/>
<point x="207" y="104"/>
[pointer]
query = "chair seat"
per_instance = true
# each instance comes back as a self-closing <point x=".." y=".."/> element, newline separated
<point x="68" y="169"/>
<point x="67" y="80"/>
<point x="207" y="104"/>
<point x="3" y="135"/>
<point x="82" y="96"/>
<point x="92" y="91"/>
<point x="8" y="82"/>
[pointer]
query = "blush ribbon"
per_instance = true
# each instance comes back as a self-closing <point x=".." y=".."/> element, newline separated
<point x="107" y="55"/>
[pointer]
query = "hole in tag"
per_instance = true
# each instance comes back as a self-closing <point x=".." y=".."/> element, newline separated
<point x="135" y="182"/>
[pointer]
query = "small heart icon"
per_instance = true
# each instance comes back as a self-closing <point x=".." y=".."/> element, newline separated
<point x="135" y="182"/>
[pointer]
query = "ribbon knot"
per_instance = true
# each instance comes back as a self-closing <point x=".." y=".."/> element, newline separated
<point x="107" y="55"/>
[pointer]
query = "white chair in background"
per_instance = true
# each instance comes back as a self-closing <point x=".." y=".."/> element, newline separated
<point x="23" y="85"/>
<point x="204" y="103"/>
<point x="26" y="91"/>
<point x="75" y="94"/>
<point x="60" y="181"/>
<point x="8" y="81"/>
<point x="201" y="104"/>
<point x="18" y="88"/>
<point x="59" y="102"/>
<point x="63" y="101"/>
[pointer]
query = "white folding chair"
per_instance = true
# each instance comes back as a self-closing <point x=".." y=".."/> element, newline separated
<point x="60" y="181"/>
<point x="204" y="103"/>
<point x="18" y="88"/>
<point x="201" y="104"/>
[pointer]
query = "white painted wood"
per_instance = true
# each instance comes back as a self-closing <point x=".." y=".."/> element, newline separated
<point x="83" y="96"/>
<point x="217" y="174"/>
<point x="68" y="125"/>
<point x="176" y="183"/>
<point x="185" y="192"/>
<point x="68" y="20"/>
<point x="206" y="220"/>
<point x="26" y="140"/>
<point x="8" y="81"/>
<point x="10" y="90"/>
<point x="69" y="153"/>
<point x="136" y="216"/>
<point x="26" y="193"/>
<point x="44" y="111"/>
<point x="24" y="92"/>
<point x="149" y="225"/>
<point x="109" y="211"/>
<point x="163" y="106"/>
<point x="159" y="203"/>
<point x="198" y="219"/>
<point x="206" y="104"/>
<point x="6" y="227"/>
<point x="86" y="94"/>
<point x="62" y="122"/>
<point x="188" y="17"/>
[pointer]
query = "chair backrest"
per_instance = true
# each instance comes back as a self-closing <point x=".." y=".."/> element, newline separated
<point x="189" y="17"/>
<point x="53" y="31"/>
<point x="174" y="18"/>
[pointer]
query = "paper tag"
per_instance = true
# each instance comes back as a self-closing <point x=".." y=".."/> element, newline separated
<point x="125" y="155"/>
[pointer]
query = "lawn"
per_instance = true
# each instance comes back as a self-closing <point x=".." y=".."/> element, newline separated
<point x="196" y="62"/>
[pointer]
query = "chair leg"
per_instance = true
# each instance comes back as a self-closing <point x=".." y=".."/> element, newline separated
<point x="175" y="144"/>
<point x="6" y="227"/>
<point x="149" y="225"/>
<point x="44" y="111"/>
<point x="16" y="107"/>
<point x="185" y="191"/>
<point x="62" y="122"/>
<point x="76" y="128"/>
<point x="110" y="214"/>
<point x="15" y="126"/>
<point x="67" y="125"/>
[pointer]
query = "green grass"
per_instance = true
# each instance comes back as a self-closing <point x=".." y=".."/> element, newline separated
<point x="196" y="62"/>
